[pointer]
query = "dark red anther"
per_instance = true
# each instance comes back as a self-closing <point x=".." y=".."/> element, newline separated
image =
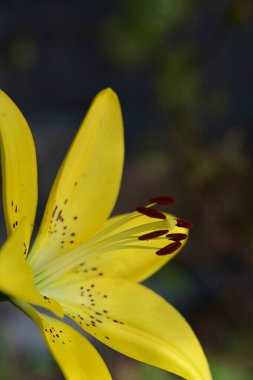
<point x="152" y="235"/>
<point x="163" y="200"/>
<point x="176" y="237"/>
<point x="169" y="249"/>
<point x="151" y="212"/>
<point x="184" y="223"/>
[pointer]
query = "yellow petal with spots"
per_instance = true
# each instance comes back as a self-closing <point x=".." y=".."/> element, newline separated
<point x="87" y="184"/>
<point x="136" y="322"/>
<point x="16" y="277"/>
<point x="19" y="167"/>
<point x="74" y="354"/>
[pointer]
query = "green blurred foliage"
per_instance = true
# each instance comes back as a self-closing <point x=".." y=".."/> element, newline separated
<point x="140" y="30"/>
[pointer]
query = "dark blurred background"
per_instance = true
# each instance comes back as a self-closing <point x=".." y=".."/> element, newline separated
<point x="183" y="71"/>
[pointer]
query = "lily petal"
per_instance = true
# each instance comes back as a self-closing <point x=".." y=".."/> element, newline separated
<point x="87" y="183"/>
<point x="19" y="167"/>
<point x="75" y="355"/>
<point x="16" y="277"/>
<point x="136" y="322"/>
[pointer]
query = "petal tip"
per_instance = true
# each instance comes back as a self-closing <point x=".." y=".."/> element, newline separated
<point x="109" y="93"/>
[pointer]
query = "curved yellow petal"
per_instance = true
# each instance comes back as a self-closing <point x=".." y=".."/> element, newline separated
<point x="136" y="322"/>
<point x="16" y="277"/>
<point x="19" y="167"/>
<point x="87" y="183"/>
<point x="75" y="355"/>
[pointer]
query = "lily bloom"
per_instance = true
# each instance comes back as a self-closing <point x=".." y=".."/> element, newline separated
<point x="83" y="265"/>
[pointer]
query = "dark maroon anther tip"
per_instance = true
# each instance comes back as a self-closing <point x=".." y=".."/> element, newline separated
<point x="176" y="237"/>
<point x="169" y="249"/>
<point x="151" y="212"/>
<point x="184" y="223"/>
<point x="163" y="200"/>
<point x="152" y="235"/>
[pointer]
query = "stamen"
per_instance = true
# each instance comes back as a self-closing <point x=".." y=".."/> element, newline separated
<point x="163" y="200"/>
<point x="176" y="237"/>
<point x="184" y="223"/>
<point x="152" y="235"/>
<point x="111" y="239"/>
<point x="169" y="249"/>
<point x="151" y="212"/>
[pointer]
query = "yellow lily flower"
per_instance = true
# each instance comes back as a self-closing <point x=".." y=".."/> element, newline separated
<point x="84" y="265"/>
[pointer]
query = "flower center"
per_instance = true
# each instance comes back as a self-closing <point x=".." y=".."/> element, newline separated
<point x="123" y="233"/>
